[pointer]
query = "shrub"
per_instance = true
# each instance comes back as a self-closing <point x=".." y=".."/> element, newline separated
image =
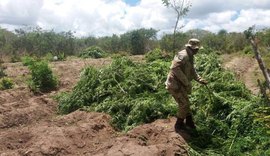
<point x="42" y="78"/>
<point x="6" y="83"/>
<point x="51" y="57"/>
<point x="157" y="54"/>
<point x="2" y="73"/>
<point x="61" y="56"/>
<point x="247" y="50"/>
<point x="27" y="60"/>
<point x="93" y="52"/>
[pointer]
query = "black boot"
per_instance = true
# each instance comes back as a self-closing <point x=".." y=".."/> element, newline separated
<point x="179" y="125"/>
<point x="190" y="122"/>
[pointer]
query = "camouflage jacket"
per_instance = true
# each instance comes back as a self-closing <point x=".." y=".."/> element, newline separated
<point x="181" y="72"/>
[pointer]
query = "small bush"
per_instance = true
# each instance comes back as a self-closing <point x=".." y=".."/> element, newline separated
<point x="42" y="78"/>
<point x="247" y="50"/>
<point x="54" y="57"/>
<point x="27" y="60"/>
<point x="6" y="83"/>
<point x="49" y="57"/>
<point x="93" y="52"/>
<point x="157" y="54"/>
<point x="2" y="73"/>
<point x="61" y="57"/>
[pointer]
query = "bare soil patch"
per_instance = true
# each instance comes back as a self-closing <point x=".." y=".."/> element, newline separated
<point x="246" y="68"/>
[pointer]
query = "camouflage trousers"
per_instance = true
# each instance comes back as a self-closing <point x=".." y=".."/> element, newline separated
<point x="181" y="98"/>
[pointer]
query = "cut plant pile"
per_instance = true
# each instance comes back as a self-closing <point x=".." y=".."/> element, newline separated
<point x="226" y="112"/>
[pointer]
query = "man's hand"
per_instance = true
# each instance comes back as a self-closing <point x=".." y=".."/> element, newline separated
<point x="204" y="82"/>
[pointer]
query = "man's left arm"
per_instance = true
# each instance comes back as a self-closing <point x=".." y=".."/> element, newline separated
<point x="198" y="78"/>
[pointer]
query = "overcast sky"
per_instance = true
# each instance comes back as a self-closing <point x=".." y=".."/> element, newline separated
<point x="107" y="17"/>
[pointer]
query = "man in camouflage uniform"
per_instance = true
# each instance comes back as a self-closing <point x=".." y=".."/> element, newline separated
<point x="178" y="82"/>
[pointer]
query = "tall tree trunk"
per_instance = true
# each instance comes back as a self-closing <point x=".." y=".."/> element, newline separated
<point x="260" y="62"/>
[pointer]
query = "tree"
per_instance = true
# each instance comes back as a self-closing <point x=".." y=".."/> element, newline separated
<point x="181" y="7"/>
<point x="137" y="44"/>
<point x="265" y="37"/>
<point x="166" y="42"/>
<point x="115" y="43"/>
<point x="138" y="41"/>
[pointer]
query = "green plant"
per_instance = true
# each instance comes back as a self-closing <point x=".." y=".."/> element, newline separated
<point x="247" y="50"/>
<point x="93" y="52"/>
<point x="27" y="60"/>
<point x="42" y="78"/>
<point x="52" y="57"/>
<point x="225" y="113"/>
<point x="123" y="89"/>
<point x="6" y="83"/>
<point x="2" y="73"/>
<point x="157" y="54"/>
<point x="229" y="118"/>
<point x="61" y="56"/>
<point x="49" y="57"/>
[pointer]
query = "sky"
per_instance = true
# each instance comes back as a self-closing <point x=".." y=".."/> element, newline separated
<point x="108" y="17"/>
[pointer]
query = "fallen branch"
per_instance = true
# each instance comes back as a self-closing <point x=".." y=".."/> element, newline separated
<point x="260" y="62"/>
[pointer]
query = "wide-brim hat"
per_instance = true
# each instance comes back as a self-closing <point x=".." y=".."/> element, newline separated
<point x="194" y="44"/>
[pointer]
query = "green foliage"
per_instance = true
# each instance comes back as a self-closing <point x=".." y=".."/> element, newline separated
<point x="93" y="52"/>
<point x="130" y="93"/>
<point x="27" y="60"/>
<point x="157" y="54"/>
<point x="137" y="44"/>
<point x="54" y="57"/>
<point x="35" y="41"/>
<point x="2" y="72"/>
<point x="61" y="57"/>
<point x="6" y="83"/>
<point x="39" y="42"/>
<point x="42" y="78"/>
<point x="49" y="57"/>
<point x="247" y="50"/>
<point x="230" y="120"/>
<point x="167" y="41"/>
<point x="225" y="114"/>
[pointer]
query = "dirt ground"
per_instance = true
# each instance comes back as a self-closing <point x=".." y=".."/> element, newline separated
<point x="246" y="69"/>
<point x="30" y="125"/>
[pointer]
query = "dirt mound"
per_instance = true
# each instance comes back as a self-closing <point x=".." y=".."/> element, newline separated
<point x="157" y="138"/>
<point x="82" y="133"/>
<point x="19" y="107"/>
<point x="74" y="134"/>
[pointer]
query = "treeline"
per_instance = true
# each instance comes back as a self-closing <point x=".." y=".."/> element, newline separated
<point x="35" y="41"/>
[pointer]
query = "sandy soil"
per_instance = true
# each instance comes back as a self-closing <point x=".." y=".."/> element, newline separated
<point x="246" y="69"/>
